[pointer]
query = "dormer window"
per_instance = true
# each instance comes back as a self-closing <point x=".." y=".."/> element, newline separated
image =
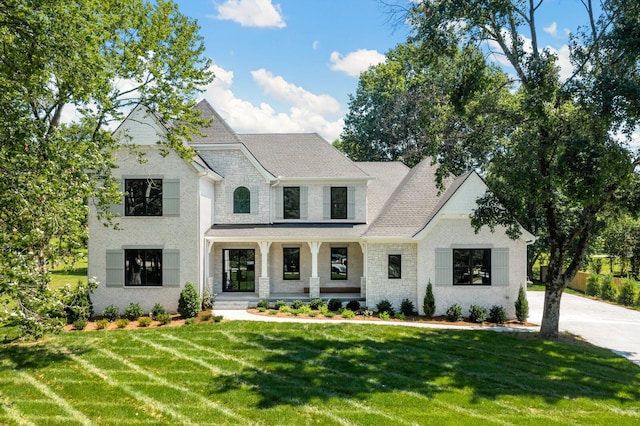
<point x="241" y="200"/>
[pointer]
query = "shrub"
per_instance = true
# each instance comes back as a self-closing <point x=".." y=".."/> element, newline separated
<point x="401" y="316"/>
<point x="497" y="314"/>
<point x="593" y="285"/>
<point x="206" y="317"/>
<point x="334" y="305"/>
<point x="80" y="324"/>
<point x="367" y="313"/>
<point x="384" y="315"/>
<point x="190" y="321"/>
<point x="133" y="311"/>
<point x="297" y="304"/>
<point x="218" y="318"/>
<point x="111" y="313"/>
<point x="144" y="321"/>
<point x="316" y="303"/>
<point x="406" y="307"/>
<point x="324" y="310"/>
<point x="263" y="303"/>
<point x="385" y="306"/>
<point x="164" y="318"/>
<point x="208" y="299"/>
<point x="454" y="313"/>
<point x="329" y="314"/>
<point x="608" y="291"/>
<point x="272" y="312"/>
<point x="353" y="305"/>
<point x="304" y="309"/>
<point x="314" y="314"/>
<point x="101" y="324"/>
<point x="285" y="308"/>
<point x="279" y="304"/>
<point x="627" y="293"/>
<point x="189" y="301"/>
<point x="348" y="314"/>
<point x="477" y="313"/>
<point x="157" y="310"/>
<point x="429" y="303"/>
<point x="122" y="322"/>
<point x="261" y="309"/>
<point x="77" y="300"/>
<point x="522" y="305"/>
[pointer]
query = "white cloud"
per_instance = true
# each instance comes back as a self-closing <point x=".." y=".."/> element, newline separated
<point x="564" y="61"/>
<point x="552" y="29"/>
<point x="315" y="44"/>
<point x="355" y="62"/>
<point x="303" y="116"/>
<point x="252" y="13"/>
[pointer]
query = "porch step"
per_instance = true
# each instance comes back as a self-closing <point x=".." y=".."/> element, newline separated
<point x="231" y="304"/>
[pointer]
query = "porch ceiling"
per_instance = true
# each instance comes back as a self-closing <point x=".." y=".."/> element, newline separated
<point x="287" y="232"/>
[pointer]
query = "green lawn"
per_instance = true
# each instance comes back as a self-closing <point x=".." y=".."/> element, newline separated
<point x="65" y="274"/>
<point x="270" y="373"/>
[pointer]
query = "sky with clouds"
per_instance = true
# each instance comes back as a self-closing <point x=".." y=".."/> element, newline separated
<point x="286" y="66"/>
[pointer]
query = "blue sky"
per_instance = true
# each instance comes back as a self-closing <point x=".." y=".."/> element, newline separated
<point x="290" y="65"/>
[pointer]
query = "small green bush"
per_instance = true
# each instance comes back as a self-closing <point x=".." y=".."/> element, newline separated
<point x="401" y="316"/>
<point x="593" y="285"/>
<point x="323" y="309"/>
<point x="280" y="303"/>
<point x="157" y="310"/>
<point x="454" y="313"/>
<point x="304" y="310"/>
<point x="406" y="307"/>
<point x="190" y="321"/>
<point x="334" y="305"/>
<point x="497" y="314"/>
<point x="296" y="304"/>
<point x="608" y="292"/>
<point x="111" y="313"/>
<point x="101" y="324"/>
<point x="316" y="303"/>
<point x="218" y="318"/>
<point x="208" y="299"/>
<point x="627" y="293"/>
<point x="263" y="303"/>
<point x="385" y="306"/>
<point x="164" y="318"/>
<point x="80" y="324"/>
<point x="206" y="317"/>
<point x="353" y="305"/>
<point x="348" y="314"/>
<point x="329" y="314"/>
<point x="429" y="303"/>
<point x="189" y="301"/>
<point x="272" y="312"/>
<point x="477" y="313"/>
<point x="133" y="311"/>
<point x="261" y="309"/>
<point x="384" y="315"/>
<point x="76" y="300"/>
<point x="314" y="314"/>
<point x="522" y="305"/>
<point x="367" y="313"/>
<point x="285" y="308"/>
<point x="122" y="322"/>
<point x="144" y="321"/>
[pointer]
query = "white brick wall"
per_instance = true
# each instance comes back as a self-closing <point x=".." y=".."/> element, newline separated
<point x="379" y="286"/>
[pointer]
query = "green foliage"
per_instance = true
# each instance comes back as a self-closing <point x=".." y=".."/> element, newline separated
<point x="122" y="322"/>
<point x="190" y="321"/>
<point x="80" y="324"/>
<point x="111" y="313"/>
<point x="279" y="304"/>
<point x="384" y="315"/>
<point x="208" y="299"/>
<point x="75" y="56"/>
<point x="189" y="301"/>
<point x="218" y="318"/>
<point x="454" y="313"/>
<point x="354" y="305"/>
<point x="608" y="291"/>
<point x="163" y="318"/>
<point x="384" y="306"/>
<point x="400" y="316"/>
<point x="157" y="310"/>
<point x="297" y="304"/>
<point x="144" y="321"/>
<point x="304" y="310"/>
<point x="334" y="305"/>
<point x="206" y="317"/>
<point x="593" y="285"/>
<point x="263" y="303"/>
<point x="348" y="314"/>
<point x="406" y="307"/>
<point x="477" y="313"/>
<point x="77" y="300"/>
<point x="429" y="302"/>
<point x="101" y="324"/>
<point x="522" y="305"/>
<point x="627" y="293"/>
<point x="497" y="314"/>
<point x="316" y="303"/>
<point x="133" y="311"/>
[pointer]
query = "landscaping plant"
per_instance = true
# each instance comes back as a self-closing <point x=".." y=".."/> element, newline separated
<point x="627" y="293"/>
<point x="133" y="311"/>
<point x="522" y="305"/>
<point x="477" y="313"/>
<point x="608" y="292"/>
<point x="189" y="301"/>
<point x="454" y="313"/>
<point x="429" y="302"/>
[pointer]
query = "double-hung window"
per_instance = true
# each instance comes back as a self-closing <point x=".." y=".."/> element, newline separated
<point x="338" y="202"/>
<point x="291" y="202"/>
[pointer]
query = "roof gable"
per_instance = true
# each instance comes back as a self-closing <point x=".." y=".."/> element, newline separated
<point x="140" y="127"/>
<point x="218" y="132"/>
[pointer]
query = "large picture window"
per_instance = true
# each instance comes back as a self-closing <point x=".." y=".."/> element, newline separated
<point x="338" y="202"/>
<point x="241" y="200"/>
<point x="472" y="267"/>
<point x="143" y="267"/>
<point x="338" y="263"/>
<point x="143" y="197"/>
<point x="291" y="263"/>
<point x="291" y="202"/>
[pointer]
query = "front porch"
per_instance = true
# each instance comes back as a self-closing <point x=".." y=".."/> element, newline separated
<point x="249" y="300"/>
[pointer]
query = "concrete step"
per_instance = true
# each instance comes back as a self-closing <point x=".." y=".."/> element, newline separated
<point x="231" y="304"/>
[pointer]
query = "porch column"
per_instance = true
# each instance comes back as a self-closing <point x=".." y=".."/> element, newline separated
<point x="314" y="280"/>
<point x="208" y="279"/>
<point x="263" y="281"/>
<point x="365" y="270"/>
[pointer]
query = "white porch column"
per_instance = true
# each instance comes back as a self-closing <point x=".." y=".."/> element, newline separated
<point x="314" y="280"/>
<point x="365" y="269"/>
<point x="263" y="281"/>
<point x="208" y="279"/>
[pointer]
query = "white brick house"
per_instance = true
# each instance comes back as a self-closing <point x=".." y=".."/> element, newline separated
<point x="287" y="215"/>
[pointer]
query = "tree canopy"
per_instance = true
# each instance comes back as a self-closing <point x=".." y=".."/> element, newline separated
<point x="555" y="152"/>
<point x="69" y="70"/>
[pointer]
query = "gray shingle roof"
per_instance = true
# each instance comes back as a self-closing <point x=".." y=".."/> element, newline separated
<point x="387" y="176"/>
<point x="218" y="132"/>
<point x="300" y="155"/>
<point x="413" y="204"/>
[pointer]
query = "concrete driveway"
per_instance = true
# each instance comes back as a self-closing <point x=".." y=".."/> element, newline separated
<point x="602" y="324"/>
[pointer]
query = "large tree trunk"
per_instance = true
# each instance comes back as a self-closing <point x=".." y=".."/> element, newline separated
<point x="551" y="311"/>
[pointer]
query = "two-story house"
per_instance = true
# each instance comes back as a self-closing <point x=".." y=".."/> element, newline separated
<point x="288" y="216"/>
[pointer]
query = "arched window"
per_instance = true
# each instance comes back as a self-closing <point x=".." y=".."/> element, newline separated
<point x="241" y="200"/>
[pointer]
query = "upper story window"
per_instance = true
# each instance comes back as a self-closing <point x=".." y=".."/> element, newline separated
<point x="291" y="202"/>
<point x="143" y="197"/>
<point x="338" y="202"/>
<point x="472" y="266"/>
<point x="241" y="200"/>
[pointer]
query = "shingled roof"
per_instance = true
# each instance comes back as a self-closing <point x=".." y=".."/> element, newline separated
<point x="387" y="175"/>
<point x="218" y="132"/>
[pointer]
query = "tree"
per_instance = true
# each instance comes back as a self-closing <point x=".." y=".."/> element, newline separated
<point x="563" y="162"/>
<point x="69" y="70"/>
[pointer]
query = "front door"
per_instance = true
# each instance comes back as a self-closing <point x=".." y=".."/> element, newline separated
<point x="238" y="270"/>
